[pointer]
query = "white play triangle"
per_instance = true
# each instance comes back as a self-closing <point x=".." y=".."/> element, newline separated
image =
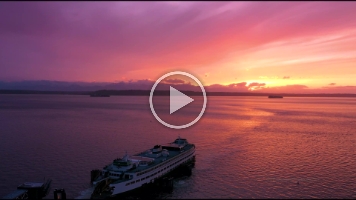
<point x="177" y="100"/>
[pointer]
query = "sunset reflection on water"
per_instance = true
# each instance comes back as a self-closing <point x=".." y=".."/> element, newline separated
<point x="247" y="147"/>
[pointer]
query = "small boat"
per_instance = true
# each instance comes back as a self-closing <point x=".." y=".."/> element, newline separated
<point x="99" y="95"/>
<point x="275" y="96"/>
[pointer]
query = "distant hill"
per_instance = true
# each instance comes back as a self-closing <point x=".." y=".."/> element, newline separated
<point x="143" y="88"/>
<point x="166" y="93"/>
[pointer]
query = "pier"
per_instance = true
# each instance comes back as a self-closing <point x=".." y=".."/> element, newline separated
<point x="30" y="190"/>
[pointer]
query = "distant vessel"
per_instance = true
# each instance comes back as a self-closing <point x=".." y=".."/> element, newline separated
<point x="99" y="95"/>
<point x="131" y="172"/>
<point x="275" y="96"/>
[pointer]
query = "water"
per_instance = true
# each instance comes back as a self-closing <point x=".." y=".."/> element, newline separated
<point x="247" y="147"/>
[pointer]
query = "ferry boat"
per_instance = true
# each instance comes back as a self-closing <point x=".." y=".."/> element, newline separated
<point x="131" y="172"/>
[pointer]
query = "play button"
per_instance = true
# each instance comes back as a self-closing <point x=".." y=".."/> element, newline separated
<point x="178" y="100"/>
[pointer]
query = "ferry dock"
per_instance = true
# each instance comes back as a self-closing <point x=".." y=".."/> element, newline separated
<point x="31" y="190"/>
<point x="39" y="190"/>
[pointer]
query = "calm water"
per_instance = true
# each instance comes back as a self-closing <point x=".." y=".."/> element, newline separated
<point x="247" y="147"/>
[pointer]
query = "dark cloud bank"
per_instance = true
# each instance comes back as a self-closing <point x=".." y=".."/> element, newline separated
<point x="176" y="83"/>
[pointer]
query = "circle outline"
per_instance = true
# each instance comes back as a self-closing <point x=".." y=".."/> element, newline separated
<point x="170" y="125"/>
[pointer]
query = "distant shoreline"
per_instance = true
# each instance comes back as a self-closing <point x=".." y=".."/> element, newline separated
<point x="166" y="93"/>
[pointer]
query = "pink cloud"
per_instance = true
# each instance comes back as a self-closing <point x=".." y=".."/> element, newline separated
<point x="242" y="84"/>
<point x="255" y="84"/>
<point x="286" y="89"/>
<point x="174" y="81"/>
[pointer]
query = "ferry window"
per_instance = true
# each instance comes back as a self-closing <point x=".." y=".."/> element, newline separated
<point x="132" y="182"/>
<point x="137" y="181"/>
<point x="127" y="183"/>
<point x="142" y="179"/>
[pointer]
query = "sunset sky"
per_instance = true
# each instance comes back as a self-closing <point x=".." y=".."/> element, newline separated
<point x="290" y="45"/>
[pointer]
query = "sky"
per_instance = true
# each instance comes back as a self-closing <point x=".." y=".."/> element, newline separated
<point x="263" y="46"/>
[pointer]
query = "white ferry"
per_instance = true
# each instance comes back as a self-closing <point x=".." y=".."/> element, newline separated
<point x="132" y="172"/>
